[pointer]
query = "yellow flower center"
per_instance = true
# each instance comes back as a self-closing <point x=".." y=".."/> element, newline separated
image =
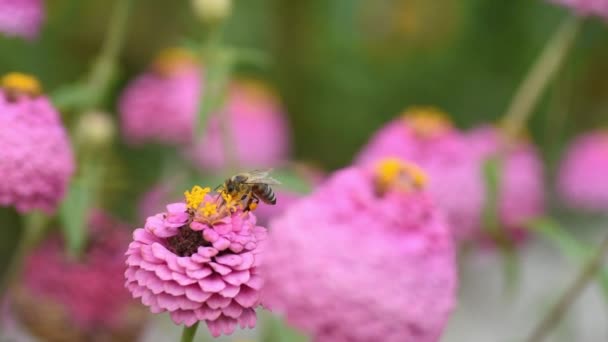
<point x="195" y="197"/>
<point x="172" y="60"/>
<point x="426" y="122"/>
<point x="229" y="202"/>
<point x="21" y="84"/>
<point x="395" y="173"/>
<point x="209" y="209"/>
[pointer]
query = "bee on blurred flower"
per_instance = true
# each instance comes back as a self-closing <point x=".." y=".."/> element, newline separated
<point x="251" y="187"/>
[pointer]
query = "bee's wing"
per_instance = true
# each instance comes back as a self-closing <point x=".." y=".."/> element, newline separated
<point x="261" y="176"/>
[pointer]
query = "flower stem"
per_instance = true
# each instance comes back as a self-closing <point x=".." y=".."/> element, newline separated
<point x="542" y="72"/>
<point x="217" y="71"/>
<point x="189" y="332"/>
<point x="29" y="236"/>
<point x="587" y="274"/>
<point x="105" y="65"/>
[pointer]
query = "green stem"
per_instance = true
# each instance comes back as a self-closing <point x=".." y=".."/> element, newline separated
<point x="189" y="332"/>
<point x="587" y="274"/>
<point x="542" y="72"/>
<point x="105" y="65"/>
<point x="29" y="237"/>
<point x="217" y="70"/>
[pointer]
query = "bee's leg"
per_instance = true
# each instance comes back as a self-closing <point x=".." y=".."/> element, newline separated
<point x="252" y="203"/>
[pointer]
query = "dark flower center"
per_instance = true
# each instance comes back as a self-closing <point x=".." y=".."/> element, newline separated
<point x="186" y="242"/>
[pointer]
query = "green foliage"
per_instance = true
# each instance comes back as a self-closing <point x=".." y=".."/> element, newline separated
<point x="568" y="246"/>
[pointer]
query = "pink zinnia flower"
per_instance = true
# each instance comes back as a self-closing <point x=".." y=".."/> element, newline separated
<point x="160" y="105"/>
<point x="256" y="124"/>
<point x="367" y="257"/>
<point x="286" y="198"/>
<point x="521" y="191"/>
<point x="454" y="161"/>
<point x="63" y="299"/>
<point x="586" y="7"/>
<point x="581" y="182"/>
<point x="199" y="261"/>
<point x="36" y="160"/>
<point x="21" y="18"/>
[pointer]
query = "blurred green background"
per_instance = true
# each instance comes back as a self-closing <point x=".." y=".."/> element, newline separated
<point x="345" y="67"/>
<point x="342" y="68"/>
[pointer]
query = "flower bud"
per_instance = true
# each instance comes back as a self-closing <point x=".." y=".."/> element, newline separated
<point x="212" y="11"/>
<point x="95" y="129"/>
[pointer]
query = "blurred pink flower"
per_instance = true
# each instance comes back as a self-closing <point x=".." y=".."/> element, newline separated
<point x="21" y="18"/>
<point x="586" y="7"/>
<point x="522" y="190"/>
<point x="286" y="198"/>
<point x="257" y="125"/>
<point x="454" y="162"/>
<point x="364" y="258"/>
<point x="160" y="105"/>
<point x="199" y="262"/>
<point x="77" y="300"/>
<point x="581" y="182"/>
<point x="36" y="159"/>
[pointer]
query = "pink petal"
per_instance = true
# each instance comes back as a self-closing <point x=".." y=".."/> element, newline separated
<point x="229" y="260"/>
<point x="210" y="235"/>
<point x="247" y="297"/>
<point x="182" y="279"/>
<point x="167" y="302"/>
<point x="213" y="283"/>
<point x="230" y="291"/>
<point x="206" y="313"/>
<point x="222" y="325"/>
<point x="237" y="278"/>
<point x="163" y="272"/>
<point x="255" y="282"/>
<point x="216" y="302"/>
<point x="200" y="273"/>
<point x="221" y="244"/>
<point x="142" y="235"/>
<point x="221" y="269"/>
<point x="246" y="263"/>
<point x="155" y="285"/>
<point x="207" y="252"/>
<point x="236" y="247"/>
<point x="247" y="319"/>
<point x="186" y="304"/>
<point x="187" y="263"/>
<point x="233" y="310"/>
<point x="173" y="288"/>
<point x="188" y="318"/>
<point x="159" y="251"/>
<point x="199" y="258"/>
<point x="196" y="294"/>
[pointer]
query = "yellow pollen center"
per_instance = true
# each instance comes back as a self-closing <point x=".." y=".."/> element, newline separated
<point x="426" y="121"/>
<point x="209" y="209"/>
<point x="396" y="173"/>
<point x="229" y="202"/>
<point x="21" y="83"/>
<point x="195" y="197"/>
<point x="172" y="60"/>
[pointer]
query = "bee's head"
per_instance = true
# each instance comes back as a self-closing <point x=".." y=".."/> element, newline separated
<point x="230" y="185"/>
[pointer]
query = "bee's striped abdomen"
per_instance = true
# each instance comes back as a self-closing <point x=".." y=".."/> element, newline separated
<point x="265" y="193"/>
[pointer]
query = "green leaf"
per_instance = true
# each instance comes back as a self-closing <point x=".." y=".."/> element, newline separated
<point x="568" y="246"/>
<point x="71" y="97"/>
<point x="492" y="172"/>
<point x="290" y="180"/>
<point x="74" y="210"/>
<point x="275" y="329"/>
<point x="492" y="176"/>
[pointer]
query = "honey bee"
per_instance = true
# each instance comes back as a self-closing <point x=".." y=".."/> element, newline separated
<point x="251" y="187"/>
